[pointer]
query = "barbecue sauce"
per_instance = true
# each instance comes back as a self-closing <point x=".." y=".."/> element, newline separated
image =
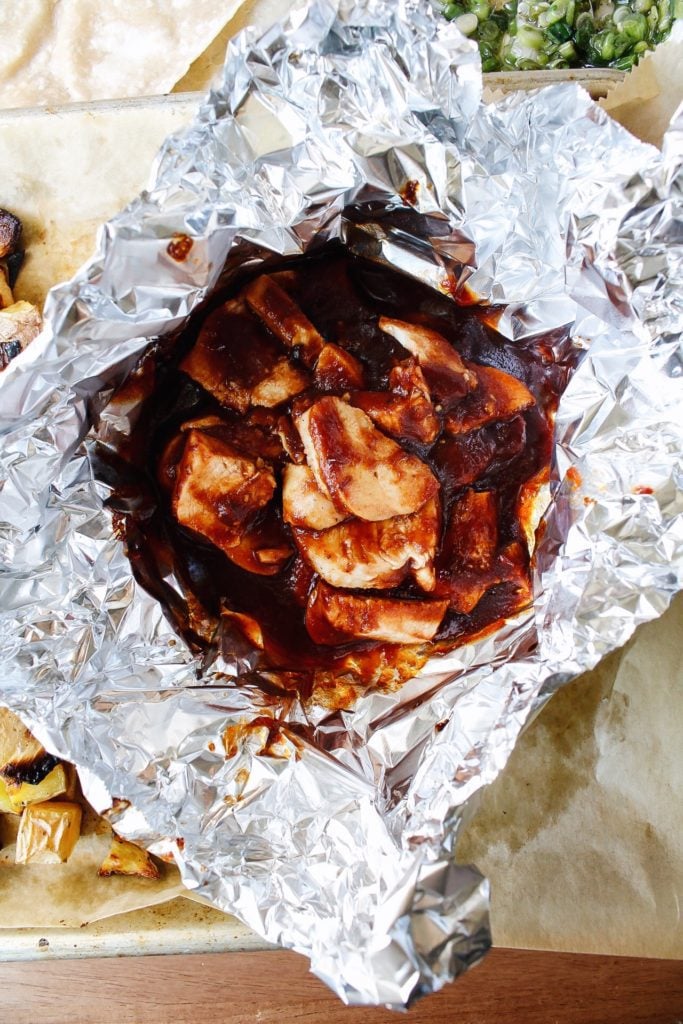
<point x="343" y="297"/>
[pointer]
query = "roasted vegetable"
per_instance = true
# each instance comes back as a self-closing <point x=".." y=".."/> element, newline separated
<point x="126" y="858"/>
<point x="21" y="794"/>
<point x="20" y="323"/>
<point x="48" y="832"/>
<point x="10" y="234"/>
<point x="20" y="752"/>
<point x="5" y="802"/>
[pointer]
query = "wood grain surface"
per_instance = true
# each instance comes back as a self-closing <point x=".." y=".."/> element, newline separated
<point x="509" y="987"/>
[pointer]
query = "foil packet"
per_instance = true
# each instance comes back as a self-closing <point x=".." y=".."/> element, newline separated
<point x="333" y="832"/>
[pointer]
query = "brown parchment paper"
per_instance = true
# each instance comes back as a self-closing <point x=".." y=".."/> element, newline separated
<point x="580" y="835"/>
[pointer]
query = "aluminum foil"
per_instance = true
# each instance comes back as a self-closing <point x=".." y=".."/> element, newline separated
<point x="337" y="840"/>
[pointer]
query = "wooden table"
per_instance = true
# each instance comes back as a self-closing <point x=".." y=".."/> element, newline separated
<point x="509" y="987"/>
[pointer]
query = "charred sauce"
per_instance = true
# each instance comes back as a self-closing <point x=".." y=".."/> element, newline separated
<point x="343" y="296"/>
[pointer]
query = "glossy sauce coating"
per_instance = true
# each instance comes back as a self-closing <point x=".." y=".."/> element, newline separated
<point x="489" y="449"/>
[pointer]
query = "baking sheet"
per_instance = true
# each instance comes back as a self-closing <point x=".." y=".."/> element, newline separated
<point x="129" y="131"/>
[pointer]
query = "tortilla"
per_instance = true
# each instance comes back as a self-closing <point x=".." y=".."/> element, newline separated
<point x="60" y="51"/>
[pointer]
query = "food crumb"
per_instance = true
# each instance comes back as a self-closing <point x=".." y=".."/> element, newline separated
<point x="410" y="191"/>
<point x="179" y="247"/>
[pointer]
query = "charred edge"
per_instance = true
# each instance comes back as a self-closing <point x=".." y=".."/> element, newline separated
<point x="32" y="773"/>
<point x="10" y="233"/>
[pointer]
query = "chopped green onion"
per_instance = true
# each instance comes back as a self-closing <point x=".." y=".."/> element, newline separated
<point x="560" y="31"/>
<point x="532" y="34"/>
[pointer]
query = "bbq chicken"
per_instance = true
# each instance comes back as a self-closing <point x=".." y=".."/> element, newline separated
<point x="331" y="476"/>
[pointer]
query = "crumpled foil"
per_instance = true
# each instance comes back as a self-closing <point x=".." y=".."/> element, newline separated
<point x="338" y="839"/>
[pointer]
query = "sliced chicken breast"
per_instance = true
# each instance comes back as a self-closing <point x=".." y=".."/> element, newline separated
<point x="472" y="533"/>
<point x="337" y="370"/>
<point x="263" y="548"/>
<point x="304" y="504"/>
<point x="365" y="473"/>
<point x="361" y="555"/>
<point x="236" y="362"/>
<point x="497" y="396"/>
<point x="336" y="616"/>
<point x="446" y="371"/>
<point x="470" y="563"/>
<point x="218" y="491"/>
<point x="281" y="315"/>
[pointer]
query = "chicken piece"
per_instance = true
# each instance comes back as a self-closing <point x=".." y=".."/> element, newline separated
<point x="465" y="590"/>
<point x="167" y="466"/>
<point x="469" y="561"/>
<point x="407" y="379"/>
<point x="283" y="318"/>
<point x="337" y="617"/>
<point x="513" y="567"/>
<point x="20" y="323"/>
<point x="338" y="370"/>
<point x="304" y="504"/>
<point x="290" y="440"/>
<point x="467" y="457"/>
<point x="263" y="548"/>
<point x="283" y="382"/>
<point x="218" y="491"/>
<point x="362" y="555"/>
<point x="247" y="626"/>
<point x="254" y="435"/>
<point x="497" y="396"/>
<point x="248" y="436"/>
<point x="466" y="569"/>
<point x="472" y="533"/>
<point x="447" y="374"/>
<point x="365" y="473"/>
<point x="48" y="832"/>
<point x="405" y="411"/>
<point x="236" y="362"/>
<point x="126" y="858"/>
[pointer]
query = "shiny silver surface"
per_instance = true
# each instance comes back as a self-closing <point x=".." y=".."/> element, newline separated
<point x="341" y="846"/>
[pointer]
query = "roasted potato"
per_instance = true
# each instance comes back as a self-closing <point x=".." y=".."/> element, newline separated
<point x="125" y="858"/>
<point x="48" y="832"/>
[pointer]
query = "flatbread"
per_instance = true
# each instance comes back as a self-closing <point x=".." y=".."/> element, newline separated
<point x="60" y="51"/>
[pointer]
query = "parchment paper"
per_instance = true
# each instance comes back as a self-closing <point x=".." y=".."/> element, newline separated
<point x="72" y="894"/>
<point x="586" y="818"/>
<point x="619" y="750"/>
